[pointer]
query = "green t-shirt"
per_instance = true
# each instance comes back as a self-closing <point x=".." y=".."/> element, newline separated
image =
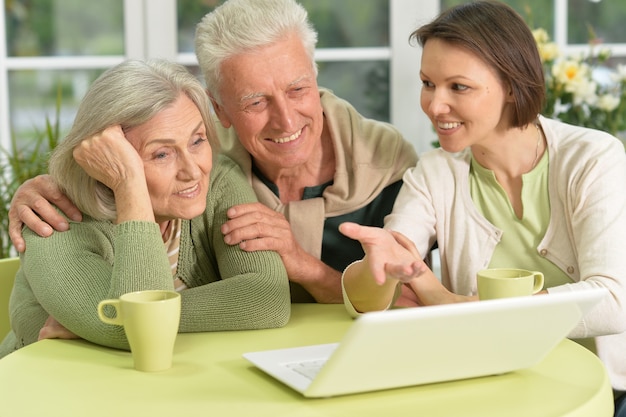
<point x="521" y="237"/>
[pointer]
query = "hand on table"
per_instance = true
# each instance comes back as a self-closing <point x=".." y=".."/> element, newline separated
<point x="52" y="329"/>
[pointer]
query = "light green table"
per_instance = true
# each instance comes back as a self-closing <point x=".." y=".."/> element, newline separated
<point x="210" y="378"/>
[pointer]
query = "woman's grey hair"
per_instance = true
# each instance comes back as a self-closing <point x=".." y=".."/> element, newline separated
<point x="238" y="26"/>
<point x="128" y="95"/>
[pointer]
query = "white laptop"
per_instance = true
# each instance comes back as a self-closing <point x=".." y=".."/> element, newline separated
<point x="414" y="346"/>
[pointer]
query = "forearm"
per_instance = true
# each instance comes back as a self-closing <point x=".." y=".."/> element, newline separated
<point x="69" y="285"/>
<point x="248" y="290"/>
<point x="27" y="316"/>
<point x="133" y="202"/>
<point x="317" y="278"/>
<point x="230" y="289"/>
<point x="430" y="291"/>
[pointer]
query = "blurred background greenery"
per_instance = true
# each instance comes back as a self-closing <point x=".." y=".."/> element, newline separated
<point x="60" y="28"/>
<point x="84" y="29"/>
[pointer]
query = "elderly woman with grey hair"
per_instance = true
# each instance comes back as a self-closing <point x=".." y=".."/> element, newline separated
<point x="141" y="163"/>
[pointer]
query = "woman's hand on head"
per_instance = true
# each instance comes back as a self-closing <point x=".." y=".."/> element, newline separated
<point x="110" y="158"/>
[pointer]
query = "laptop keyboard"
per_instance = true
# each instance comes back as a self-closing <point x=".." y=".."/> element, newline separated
<point x="308" y="369"/>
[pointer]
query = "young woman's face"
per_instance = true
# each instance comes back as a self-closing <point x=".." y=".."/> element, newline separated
<point x="177" y="160"/>
<point x="463" y="97"/>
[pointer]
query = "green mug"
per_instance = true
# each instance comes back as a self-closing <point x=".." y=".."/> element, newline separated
<point x="508" y="282"/>
<point x="150" y="319"/>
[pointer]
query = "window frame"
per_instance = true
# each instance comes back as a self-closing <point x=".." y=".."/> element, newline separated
<point x="151" y="31"/>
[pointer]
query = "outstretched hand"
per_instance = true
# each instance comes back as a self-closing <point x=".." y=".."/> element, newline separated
<point x="390" y="254"/>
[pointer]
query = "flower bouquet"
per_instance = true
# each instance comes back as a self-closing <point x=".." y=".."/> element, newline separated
<point x="580" y="89"/>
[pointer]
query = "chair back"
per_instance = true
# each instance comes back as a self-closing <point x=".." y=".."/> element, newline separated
<point x="8" y="269"/>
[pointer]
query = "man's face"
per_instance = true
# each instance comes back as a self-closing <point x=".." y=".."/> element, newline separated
<point x="270" y="97"/>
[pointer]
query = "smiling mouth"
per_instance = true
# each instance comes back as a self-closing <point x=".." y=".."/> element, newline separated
<point x="448" y="125"/>
<point x="190" y="190"/>
<point x="288" y="138"/>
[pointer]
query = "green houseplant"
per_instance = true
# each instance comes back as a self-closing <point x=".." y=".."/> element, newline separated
<point x="19" y="163"/>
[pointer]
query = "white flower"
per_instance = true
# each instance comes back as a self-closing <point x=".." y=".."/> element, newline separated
<point x="570" y="71"/>
<point x="540" y="35"/>
<point x="607" y="102"/>
<point x="580" y="88"/>
<point x="548" y="51"/>
<point x="584" y="91"/>
<point x="620" y="74"/>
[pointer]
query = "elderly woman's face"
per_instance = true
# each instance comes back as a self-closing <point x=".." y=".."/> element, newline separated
<point x="270" y="97"/>
<point x="177" y="160"/>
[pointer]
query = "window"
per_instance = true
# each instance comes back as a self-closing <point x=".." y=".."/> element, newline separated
<point x="61" y="46"/>
<point x="50" y="48"/>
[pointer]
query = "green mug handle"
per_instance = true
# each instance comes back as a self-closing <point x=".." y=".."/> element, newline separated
<point x="538" y="283"/>
<point x="110" y="320"/>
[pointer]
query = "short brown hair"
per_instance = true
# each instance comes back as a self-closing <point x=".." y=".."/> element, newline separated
<point x="498" y="35"/>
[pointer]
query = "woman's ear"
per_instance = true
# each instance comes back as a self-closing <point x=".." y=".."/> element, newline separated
<point x="510" y="97"/>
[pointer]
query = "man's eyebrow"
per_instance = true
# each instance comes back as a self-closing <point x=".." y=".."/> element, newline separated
<point x="258" y="95"/>
<point x="251" y="96"/>
<point x="299" y="80"/>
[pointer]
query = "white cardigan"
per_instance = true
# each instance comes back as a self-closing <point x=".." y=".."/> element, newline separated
<point x="586" y="236"/>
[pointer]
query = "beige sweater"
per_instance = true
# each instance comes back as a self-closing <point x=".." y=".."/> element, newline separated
<point x="370" y="155"/>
